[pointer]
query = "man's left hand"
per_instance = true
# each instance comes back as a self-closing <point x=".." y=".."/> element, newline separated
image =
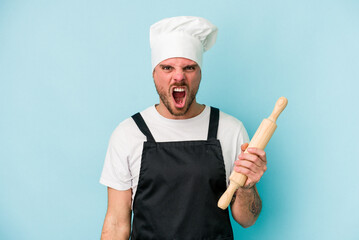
<point x="252" y="164"/>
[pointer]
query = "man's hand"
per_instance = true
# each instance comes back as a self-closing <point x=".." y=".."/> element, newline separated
<point x="252" y="164"/>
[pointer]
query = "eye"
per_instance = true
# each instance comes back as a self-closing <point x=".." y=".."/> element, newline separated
<point x="166" y="67"/>
<point x="190" y="68"/>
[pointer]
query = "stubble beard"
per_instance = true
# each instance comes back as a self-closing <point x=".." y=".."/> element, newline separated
<point x="166" y="98"/>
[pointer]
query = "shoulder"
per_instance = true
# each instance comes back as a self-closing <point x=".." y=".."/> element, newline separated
<point x="231" y="128"/>
<point x="227" y="121"/>
<point x="127" y="132"/>
<point x="126" y="128"/>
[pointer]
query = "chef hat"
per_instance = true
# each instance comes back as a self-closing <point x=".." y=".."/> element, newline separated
<point x="186" y="37"/>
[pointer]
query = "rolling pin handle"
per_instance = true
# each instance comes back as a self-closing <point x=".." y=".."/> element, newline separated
<point x="278" y="108"/>
<point x="227" y="196"/>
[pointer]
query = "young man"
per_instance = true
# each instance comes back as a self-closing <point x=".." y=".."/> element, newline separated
<point x="169" y="164"/>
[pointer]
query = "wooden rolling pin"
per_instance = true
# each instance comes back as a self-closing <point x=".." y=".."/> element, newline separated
<point x="259" y="140"/>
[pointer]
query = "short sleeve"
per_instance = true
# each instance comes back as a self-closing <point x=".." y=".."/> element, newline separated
<point x="116" y="171"/>
<point x="241" y="138"/>
<point x="232" y="134"/>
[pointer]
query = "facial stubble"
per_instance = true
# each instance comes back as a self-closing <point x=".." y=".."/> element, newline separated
<point x="166" y="98"/>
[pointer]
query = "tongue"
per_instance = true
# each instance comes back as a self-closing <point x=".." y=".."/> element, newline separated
<point x="178" y="94"/>
<point x="179" y="99"/>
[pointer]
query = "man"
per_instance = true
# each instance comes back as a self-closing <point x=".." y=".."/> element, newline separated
<point x="169" y="164"/>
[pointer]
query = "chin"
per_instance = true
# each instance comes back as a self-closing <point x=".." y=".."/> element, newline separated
<point x="178" y="112"/>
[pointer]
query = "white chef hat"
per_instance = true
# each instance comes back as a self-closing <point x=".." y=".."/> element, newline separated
<point x="187" y="37"/>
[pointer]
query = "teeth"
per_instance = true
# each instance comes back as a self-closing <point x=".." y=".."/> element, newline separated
<point x="178" y="89"/>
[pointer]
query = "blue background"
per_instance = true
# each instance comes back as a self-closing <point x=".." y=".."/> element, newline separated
<point x="70" y="71"/>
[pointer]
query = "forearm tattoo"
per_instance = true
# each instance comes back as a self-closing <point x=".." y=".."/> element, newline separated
<point x="255" y="206"/>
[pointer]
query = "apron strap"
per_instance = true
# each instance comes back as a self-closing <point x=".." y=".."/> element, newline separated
<point x="212" y="129"/>
<point x="143" y="127"/>
<point x="213" y="123"/>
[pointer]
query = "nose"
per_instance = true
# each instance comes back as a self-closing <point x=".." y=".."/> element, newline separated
<point x="179" y="76"/>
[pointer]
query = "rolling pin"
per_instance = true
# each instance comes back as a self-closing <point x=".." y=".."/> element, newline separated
<point x="259" y="140"/>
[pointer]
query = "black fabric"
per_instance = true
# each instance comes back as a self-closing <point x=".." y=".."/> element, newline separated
<point x="179" y="186"/>
<point x="143" y="127"/>
<point x="213" y="123"/>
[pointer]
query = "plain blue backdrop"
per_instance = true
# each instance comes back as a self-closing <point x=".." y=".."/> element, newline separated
<point x="70" y="71"/>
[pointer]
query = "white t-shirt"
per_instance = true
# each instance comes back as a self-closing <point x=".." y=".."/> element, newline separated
<point x="123" y="159"/>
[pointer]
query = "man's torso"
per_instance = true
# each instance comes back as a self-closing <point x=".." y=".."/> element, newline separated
<point x="123" y="160"/>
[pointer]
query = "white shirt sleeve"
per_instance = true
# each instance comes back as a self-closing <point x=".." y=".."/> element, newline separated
<point x="242" y="138"/>
<point x="116" y="171"/>
<point x="232" y="135"/>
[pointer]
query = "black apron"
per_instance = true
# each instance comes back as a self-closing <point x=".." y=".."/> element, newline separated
<point x="178" y="189"/>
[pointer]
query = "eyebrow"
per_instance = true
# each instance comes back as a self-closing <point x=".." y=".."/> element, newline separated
<point x="195" y="65"/>
<point x="192" y="65"/>
<point x="165" y="65"/>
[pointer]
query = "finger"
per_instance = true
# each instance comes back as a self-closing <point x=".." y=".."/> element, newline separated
<point x="251" y="158"/>
<point x="244" y="146"/>
<point x="250" y="165"/>
<point x="259" y="152"/>
<point x="254" y="166"/>
<point x="251" y="176"/>
<point x="250" y="170"/>
<point x="246" y="171"/>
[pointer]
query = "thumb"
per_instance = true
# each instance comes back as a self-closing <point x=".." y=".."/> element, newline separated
<point x="244" y="146"/>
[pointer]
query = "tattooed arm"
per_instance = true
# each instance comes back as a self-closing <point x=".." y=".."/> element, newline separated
<point x="246" y="203"/>
<point x="246" y="206"/>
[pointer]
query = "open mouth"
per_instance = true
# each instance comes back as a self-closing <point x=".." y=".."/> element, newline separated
<point x="179" y="96"/>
